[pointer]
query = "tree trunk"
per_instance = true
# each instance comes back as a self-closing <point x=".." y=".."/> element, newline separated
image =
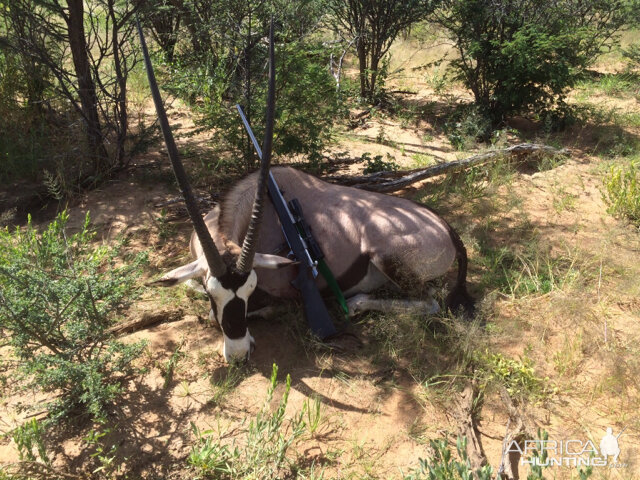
<point x="86" y="85"/>
<point x="374" y="76"/>
<point x="362" y="60"/>
<point x="121" y="119"/>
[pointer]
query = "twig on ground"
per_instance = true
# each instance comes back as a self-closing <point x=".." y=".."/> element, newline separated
<point x="31" y="469"/>
<point x="148" y="319"/>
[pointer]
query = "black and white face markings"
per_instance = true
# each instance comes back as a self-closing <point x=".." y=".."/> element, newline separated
<point x="229" y="296"/>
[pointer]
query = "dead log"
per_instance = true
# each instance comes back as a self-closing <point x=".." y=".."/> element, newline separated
<point x="380" y="181"/>
<point x="468" y="407"/>
<point x="148" y="319"/>
<point x="517" y="430"/>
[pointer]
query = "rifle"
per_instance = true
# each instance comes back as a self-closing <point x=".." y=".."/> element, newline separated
<point x="314" y="308"/>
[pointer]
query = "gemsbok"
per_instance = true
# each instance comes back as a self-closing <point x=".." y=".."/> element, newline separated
<point x="369" y="239"/>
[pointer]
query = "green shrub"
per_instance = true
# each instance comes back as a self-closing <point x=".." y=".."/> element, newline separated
<point x="58" y="295"/>
<point x="29" y="439"/>
<point x="377" y="164"/>
<point x="264" y="451"/>
<point x="622" y="192"/>
<point x="522" y="55"/>
<point x="465" y="126"/>
<point x="214" y="80"/>
<point x="518" y="377"/>
<point x="23" y="132"/>
<point x="443" y="467"/>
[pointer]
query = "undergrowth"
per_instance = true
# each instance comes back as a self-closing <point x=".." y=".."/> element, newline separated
<point x="528" y="270"/>
<point x="518" y="377"/>
<point x="442" y="466"/>
<point x="59" y="294"/>
<point x="264" y="452"/>
<point x="622" y="191"/>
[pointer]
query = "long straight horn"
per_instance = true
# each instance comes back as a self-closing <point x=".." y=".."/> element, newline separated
<point x="216" y="266"/>
<point x="249" y="245"/>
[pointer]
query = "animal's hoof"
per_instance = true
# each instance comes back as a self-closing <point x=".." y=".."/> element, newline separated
<point x="356" y="304"/>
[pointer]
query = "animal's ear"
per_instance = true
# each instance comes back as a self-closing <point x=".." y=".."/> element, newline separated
<point x="197" y="268"/>
<point x="271" y="262"/>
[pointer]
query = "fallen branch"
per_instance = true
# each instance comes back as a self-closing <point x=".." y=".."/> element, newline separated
<point x="380" y="181"/>
<point x="147" y="319"/>
<point x="517" y="431"/>
<point x="32" y="469"/>
<point x="403" y="92"/>
<point x="466" y="414"/>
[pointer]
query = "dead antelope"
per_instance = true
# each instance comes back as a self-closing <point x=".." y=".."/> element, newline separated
<point x="368" y="239"/>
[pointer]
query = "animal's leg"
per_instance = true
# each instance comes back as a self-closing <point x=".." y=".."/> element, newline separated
<point x="213" y="320"/>
<point x="363" y="303"/>
<point x="267" y="313"/>
<point x="195" y="286"/>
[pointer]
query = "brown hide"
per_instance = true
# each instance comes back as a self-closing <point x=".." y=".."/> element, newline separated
<point x="350" y="225"/>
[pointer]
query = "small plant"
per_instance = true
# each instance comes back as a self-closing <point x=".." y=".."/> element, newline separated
<point x="170" y="367"/>
<point x="622" y="192"/>
<point x="313" y="407"/>
<point x="166" y="230"/>
<point x="443" y="467"/>
<point x="466" y="126"/>
<point x="422" y="160"/>
<point x="377" y="164"/>
<point x="383" y="139"/>
<point x="617" y="85"/>
<point x="437" y="80"/>
<point x="539" y="457"/>
<point x="29" y="438"/>
<point x="528" y="271"/>
<point x="104" y="455"/>
<point x="263" y="453"/>
<point x="35" y="462"/>
<point x="58" y="295"/>
<point x="517" y="376"/>
<point x="563" y="200"/>
<point x="226" y="382"/>
<point x="567" y="360"/>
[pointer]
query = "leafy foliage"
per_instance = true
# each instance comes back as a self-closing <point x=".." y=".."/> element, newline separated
<point x="622" y="191"/>
<point x="58" y="296"/>
<point x="523" y="55"/>
<point x="517" y="376"/>
<point x="30" y="442"/>
<point x="214" y="77"/>
<point x="443" y="467"/>
<point x="377" y="164"/>
<point x="466" y="125"/>
<point x="371" y="26"/>
<point x="23" y="131"/>
<point x="67" y="99"/>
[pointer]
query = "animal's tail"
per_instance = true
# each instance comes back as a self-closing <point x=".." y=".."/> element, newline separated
<point x="459" y="297"/>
